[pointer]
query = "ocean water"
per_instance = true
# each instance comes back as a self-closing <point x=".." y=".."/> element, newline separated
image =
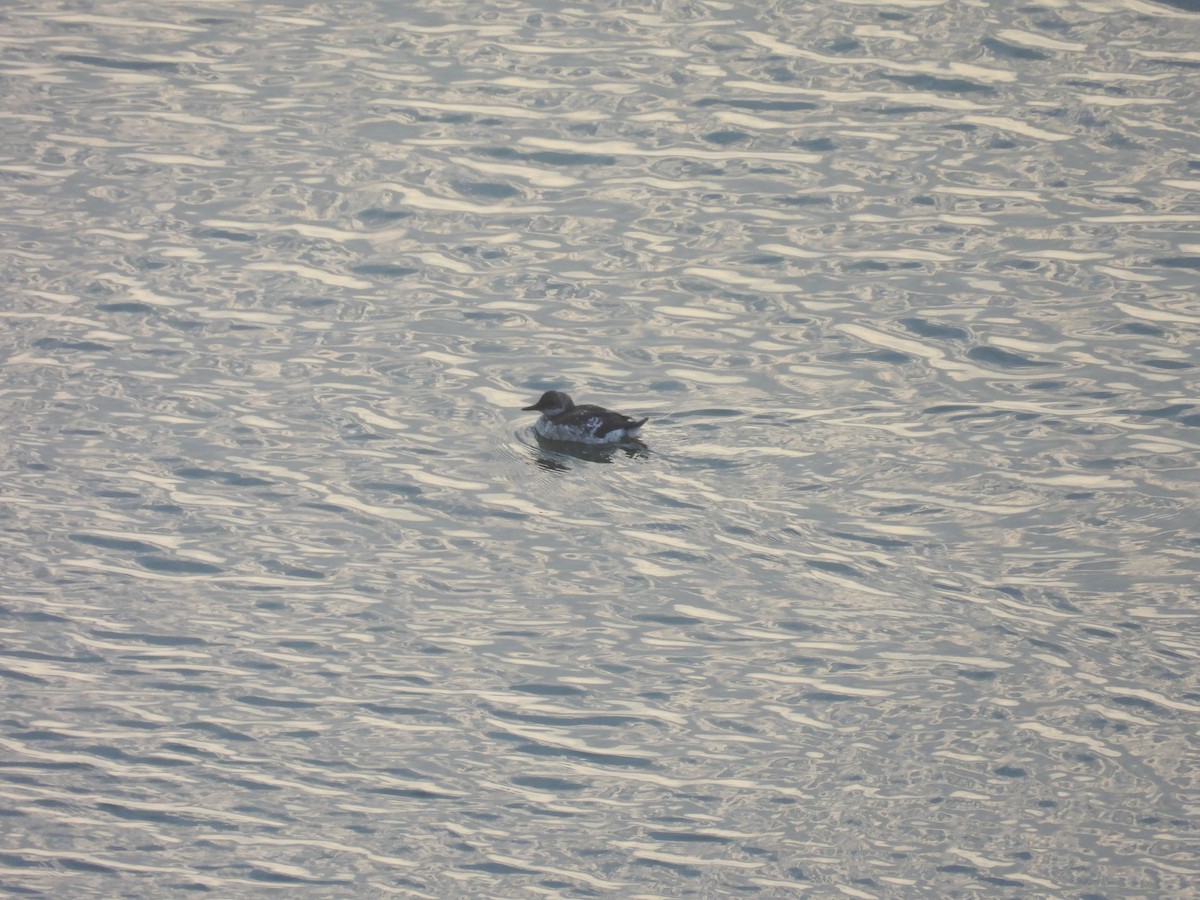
<point x="898" y="600"/>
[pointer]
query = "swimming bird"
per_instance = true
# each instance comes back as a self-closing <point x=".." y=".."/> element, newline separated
<point x="562" y="420"/>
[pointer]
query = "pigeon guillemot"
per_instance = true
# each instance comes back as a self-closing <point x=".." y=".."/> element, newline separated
<point x="562" y="420"/>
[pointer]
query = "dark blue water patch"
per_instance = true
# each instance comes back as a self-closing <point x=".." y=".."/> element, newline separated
<point x="663" y="619"/>
<point x="80" y="346"/>
<point x="667" y="386"/>
<point x="1174" y="411"/>
<point x="949" y="408"/>
<point x="384" y="270"/>
<point x="411" y="793"/>
<point x="83" y="865"/>
<point x="181" y="687"/>
<point x="841" y="45"/>
<point x="385" y="709"/>
<point x="132" y="65"/>
<point x="916" y="110"/>
<point x="879" y="355"/>
<point x="441" y="117"/>
<point x="545" y="783"/>
<point x="1140" y="703"/>
<point x="393" y="771"/>
<point x="224" y="234"/>
<point x="799" y="627"/>
<point x="16" y="653"/>
<point x="158" y="817"/>
<point x="1005" y="359"/>
<point x="1185" y="5"/>
<point x="977" y="674"/>
<point x="1177" y="63"/>
<point x="676" y="503"/>
<point x="187" y="324"/>
<point x="875" y="265"/>
<point x="804" y="200"/>
<point x="1173" y="364"/>
<point x="39" y="735"/>
<point x="309" y="302"/>
<point x="681" y="868"/>
<point x="16" y="861"/>
<point x="129" y="308"/>
<point x="274" y="702"/>
<point x="377" y="216"/>
<point x="1052" y="386"/>
<point x="355" y="433"/>
<point x="488" y="253"/>
<point x="929" y="329"/>
<point x="33" y="615"/>
<point x="289" y="571"/>
<point x="1012" y="51"/>
<point x="998" y="881"/>
<point x="958" y="869"/>
<point x="172" y="566"/>
<point x="983" y="414"/>
<point x="758" y="105"/>
<point x="551" y="157"/>
<point x="591" y="756"/>
<point x="231" y="478"/>
<point x="1099" y="87"/>
<point x="1010" y="772"/>
<point x="947" y="85"/>
<point x="605" y="721"/>
<point x="135" y="724"/>
<point x="41" y="766"/>
<point x="219" y="731"/>
<point x="301" y="645"/>
<point x="155" y="640"/>
<point x="550" y="690"/>
<point x="767" y="260"/>
<point x="13" y="675"/>
<point x="496" y="868"/>
<point x="109" y="543"/>
<point x="688" y="837"/>
<point x="270" y="877"/>
<point x="1139" y="328"/>
<point x="476" y="511"/>
<point x="262" y="665"/>
<point x="708" y="412"/>
<point x="816" y="145"/>
<point x="498" y="318"/>
<point x="725" y="138"/>
<point x="487" y="190"/>
<point x="118" y="495"/>
<point x="1057" y="649"/>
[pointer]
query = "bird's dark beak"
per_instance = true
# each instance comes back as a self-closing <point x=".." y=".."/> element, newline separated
<point x="527" y="408"/>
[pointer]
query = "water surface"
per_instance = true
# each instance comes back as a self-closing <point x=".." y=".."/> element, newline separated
<point x="898" y="601"/>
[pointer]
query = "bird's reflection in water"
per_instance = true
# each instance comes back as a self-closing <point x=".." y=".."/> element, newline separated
<point x="556" y="456"/>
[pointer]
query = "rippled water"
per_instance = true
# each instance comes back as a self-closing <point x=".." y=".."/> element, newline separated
<point x="900" y="600"/>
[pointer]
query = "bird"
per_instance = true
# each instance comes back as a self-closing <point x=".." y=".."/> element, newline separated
<point x="562" y="420"/>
